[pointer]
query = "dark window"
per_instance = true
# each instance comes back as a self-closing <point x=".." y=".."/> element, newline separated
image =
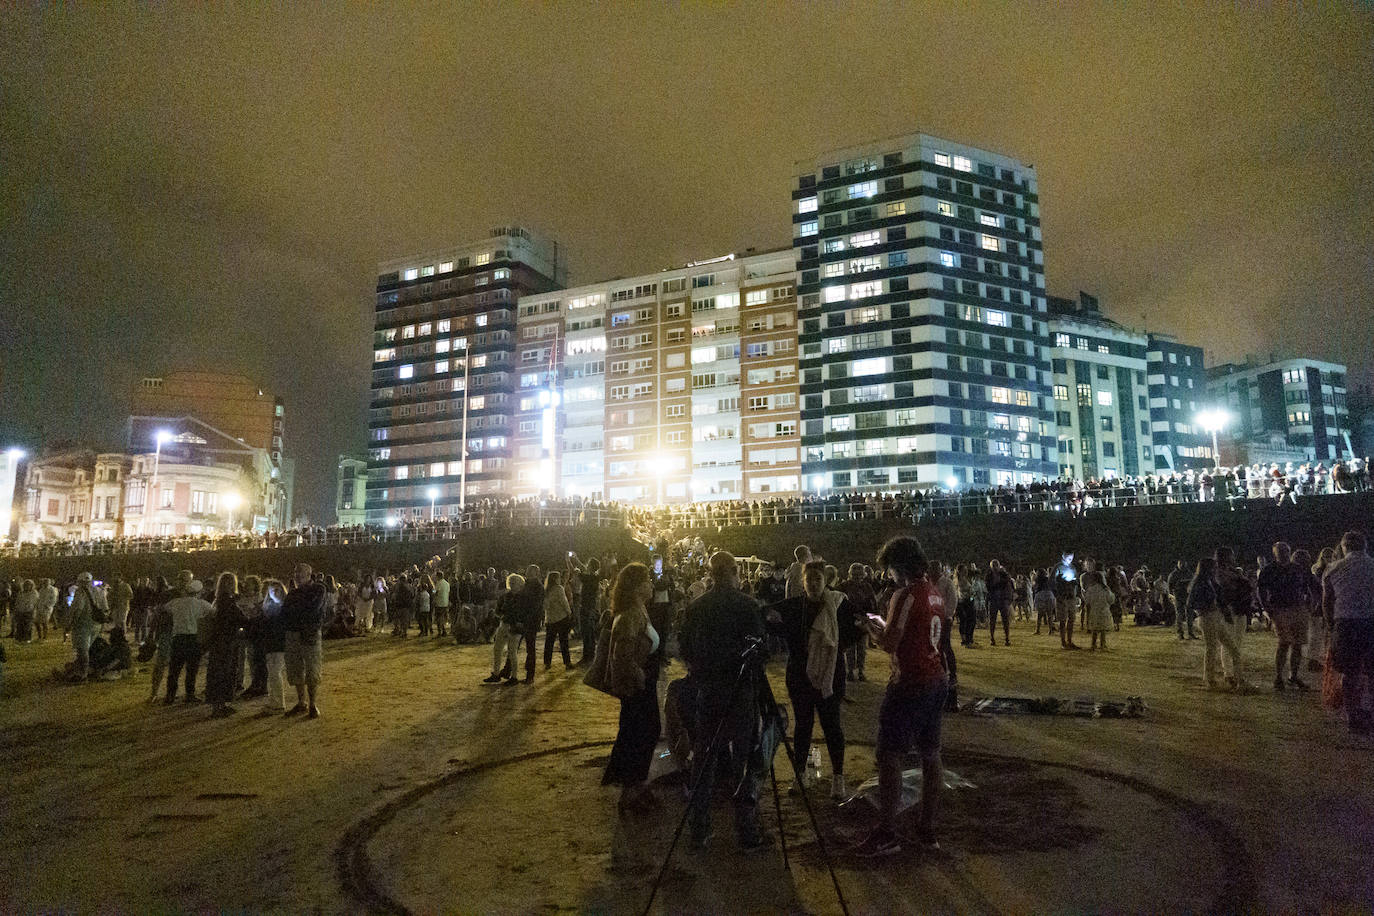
<point x="900" y="338"/>
<point x="980" y="446"/>
<point x="902" y="390"/>
<point x="988" y="194"/>
<point x="891" y="159"/>
<point x="977" y="393"/>
<point x="833" y="220"/>
<point x="813" y="427"/>
<point x="956" y="364"/>
<point x="896" y="234"/>
<point x="986" y="170"/>
<point x="1063" y="419"/>
<point x="969" y="287"/>
<point x="829" y="172"/>
<point x="898" y="285"/>
<point x="897" y="259"/>
<point x="811" y="326"/>
<point x="812" y="376"/>
<point x="807" y="181"/>
<point x="949" y="284"/>
<point x="964" y="187"/>
<point x="901" y="363"/>
<point x="811" y="276"/>
<point x="956" y="390"/>
<point x="1108" y="449"/>
<point x="965" y="237"/>
<point x="966" y="214"/>
<point x="813" y="402"/>
<point x="810" y="253"/>
<point x="944" y="184"/>
<point x="834" y="320"/>
<point x="841" y="478"/>
<point x="893" y="184"/>
<point x="1009" y="175"/>
<point x="1061" y="367"/>
<point x="1102" y="372"/>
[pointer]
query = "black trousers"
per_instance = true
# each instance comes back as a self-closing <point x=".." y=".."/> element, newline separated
<point x="968" y="621"/>
<point x="993" y="611"/>
<point x="258" y="667"/>
<point x="185" y="654"/>
<point x="558" y="631"/>
<point x="807" y="705"/>
<point x="530" y="652"/>
<point x="635" y="740"/>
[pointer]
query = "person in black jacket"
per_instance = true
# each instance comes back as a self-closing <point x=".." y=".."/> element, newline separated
<point x="221" y="644"/>
<point x="531" y="616"/>
<point x="1000" y="595"/>
<point x="818" y="626"/>
<point x="302" y="617"/>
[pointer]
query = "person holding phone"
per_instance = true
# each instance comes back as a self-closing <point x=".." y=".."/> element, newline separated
<point x="818" y="626"/>
<point x="916" y="635"/>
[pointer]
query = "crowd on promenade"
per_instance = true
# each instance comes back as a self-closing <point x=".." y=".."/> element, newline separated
<point x="625" y="622"/>
<point x="1234" y="487"/>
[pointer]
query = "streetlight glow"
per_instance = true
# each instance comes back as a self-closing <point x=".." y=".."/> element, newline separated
<point x="1214" y="420"/>
<point x="433" y="494"/>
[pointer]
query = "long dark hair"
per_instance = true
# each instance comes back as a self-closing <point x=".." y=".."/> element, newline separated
<point x="1206" y="570"/>
<point x="627" y="584"/>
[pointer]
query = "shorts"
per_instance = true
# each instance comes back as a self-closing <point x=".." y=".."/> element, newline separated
<point x="303" y="659"/>
<point x="1352" y="645"/>
<point x="1291" y="624"/>
<point x="1067" y="608"/>
<point x="910" y="717"/>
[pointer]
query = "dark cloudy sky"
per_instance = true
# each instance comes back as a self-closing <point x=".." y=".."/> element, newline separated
<point x="191" y="188"/>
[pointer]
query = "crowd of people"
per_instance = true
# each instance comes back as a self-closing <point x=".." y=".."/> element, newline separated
<point x="262" y="638"/>
<point x="1232" y="486"/>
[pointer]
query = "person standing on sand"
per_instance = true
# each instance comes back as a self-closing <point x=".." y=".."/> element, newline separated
<point x="302" y="617"/>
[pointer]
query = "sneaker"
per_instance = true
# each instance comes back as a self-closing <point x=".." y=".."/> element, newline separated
<point x="1294" y="682"/>
<point x="314" y="712"/>
<point x="928" y="841"/>
<point x="1278" y="683"/>
<point x="294" y="710"/>
<point x="192" y="698"/>
<point x="491" y="680"/>
<point x="169" y="701"/>
<point x="879" y="842"/>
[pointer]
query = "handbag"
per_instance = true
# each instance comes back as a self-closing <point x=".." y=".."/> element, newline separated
<point x="97" y="615"/>
<point x="598" y="676"/>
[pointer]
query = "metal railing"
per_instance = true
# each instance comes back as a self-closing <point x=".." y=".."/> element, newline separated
<point x="649" y="523"/>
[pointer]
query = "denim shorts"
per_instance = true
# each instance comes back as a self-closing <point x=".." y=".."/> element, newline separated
<point x="910" y="718"/>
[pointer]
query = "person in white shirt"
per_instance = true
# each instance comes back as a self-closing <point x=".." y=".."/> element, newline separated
<point x="1348" y="606"/>
<point x="186" y="609"/>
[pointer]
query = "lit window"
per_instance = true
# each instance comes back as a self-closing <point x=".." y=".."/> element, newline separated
<point x="963" y="164"/>
<point x="833" y="294"/>
<point x="991" y="243"/>
<point x="947" y="259"/>
<point x="441" y="346"/>
<point x="408" y="332"/>
<point x="1023" y="399"/>
<point x="874" y="366"/>
<point x="838" y="345"/>
<point x="997" y="319"/>
<point x="945" y="208"/>
<point x="412" y="273"/>
<point x="406" y="371"/>
<point x="833" y="270"/>
<point x="446" y="267"/>
<point x="809" y="227"/>
<point x="1061" y="392"/>
<point x="897" y="208"/>
<point x="806" y="205"/>
<point x="441" y="366"/>
<point x="864" y="290"/>
<point x="478" y="403"/>
<point x="990" y="219"/>
<point x="942" y="159"/>
<point x="860" y="265"/>
<point x="401" y="473"/>
<point x="864" y="239"/>
<point x="425" y="329"/>
<point x="863" y="189"/>
<point x="999" y="395"/>
<point x="1103" y="348"/>
<point x="1104" y="399"/>
<point x="1062" y="340"/>
<point x="483" y="258"/>
<point x="841" y="424"/>
<point x="501" y="274"/>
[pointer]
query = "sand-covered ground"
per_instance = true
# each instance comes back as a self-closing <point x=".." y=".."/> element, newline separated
<point x="422" y="789"/>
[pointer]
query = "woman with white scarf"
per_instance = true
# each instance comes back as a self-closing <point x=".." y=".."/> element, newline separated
<point x="817" y="625"/>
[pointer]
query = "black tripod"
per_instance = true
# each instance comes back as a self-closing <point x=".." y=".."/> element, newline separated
<point x="752" y="676"/>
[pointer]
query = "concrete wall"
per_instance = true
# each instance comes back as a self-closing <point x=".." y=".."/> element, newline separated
<point x="1154" y="535"/>
<point x="492" y="547"/>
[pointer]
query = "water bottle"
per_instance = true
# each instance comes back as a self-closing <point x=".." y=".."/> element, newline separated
<point x="813" y="766"/>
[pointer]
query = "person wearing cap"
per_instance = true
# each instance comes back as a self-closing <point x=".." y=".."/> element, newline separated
<point x="186" y="610"/>
<point x="88" y="609"/>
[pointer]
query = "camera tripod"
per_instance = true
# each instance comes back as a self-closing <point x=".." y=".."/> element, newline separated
<point x="752" y="676"/>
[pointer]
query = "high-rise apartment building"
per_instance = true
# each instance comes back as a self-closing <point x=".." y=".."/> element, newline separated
<point x="665" y="387"/>
<point x="446" y="367"/>
<point x="1301" y="401"/>
<point x="923" y="325"/>
<point x="1101" y="394"/>
<point x="1178" y="392"/>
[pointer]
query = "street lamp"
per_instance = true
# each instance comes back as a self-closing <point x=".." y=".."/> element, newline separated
<point x="1214" y="421"/>
<point x="231" y="502"/>
<point x="160" y="436"/>
<point x="433" y="494"/>
<point x="661" y="465"/>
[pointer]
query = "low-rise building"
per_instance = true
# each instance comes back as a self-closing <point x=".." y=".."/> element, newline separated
<point x="196" y="480"/>
<point x="1178" y="392"/>
<point x="350" y="495"/>
<point x="1301" y="399"/>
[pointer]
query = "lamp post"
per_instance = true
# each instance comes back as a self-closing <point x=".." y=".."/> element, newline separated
<point x="161" y="436"/>
<point x="433" y="494"/>
<point x="1214" y="421"/>
<point x="232" y="501"/>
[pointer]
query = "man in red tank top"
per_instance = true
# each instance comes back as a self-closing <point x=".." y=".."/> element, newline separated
<point x="916" y="633"/>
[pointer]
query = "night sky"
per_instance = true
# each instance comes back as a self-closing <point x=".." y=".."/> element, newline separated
<point x="183" y="188"/>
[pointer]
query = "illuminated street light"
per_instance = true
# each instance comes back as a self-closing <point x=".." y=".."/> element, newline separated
<point x="953" y="483"/>
<point x="392" y="521"/>
<point x="433" y="494"/>
<point x="160" y="437"/>
<point x="232" y="501"/>
<point x="1214" y="421"/>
